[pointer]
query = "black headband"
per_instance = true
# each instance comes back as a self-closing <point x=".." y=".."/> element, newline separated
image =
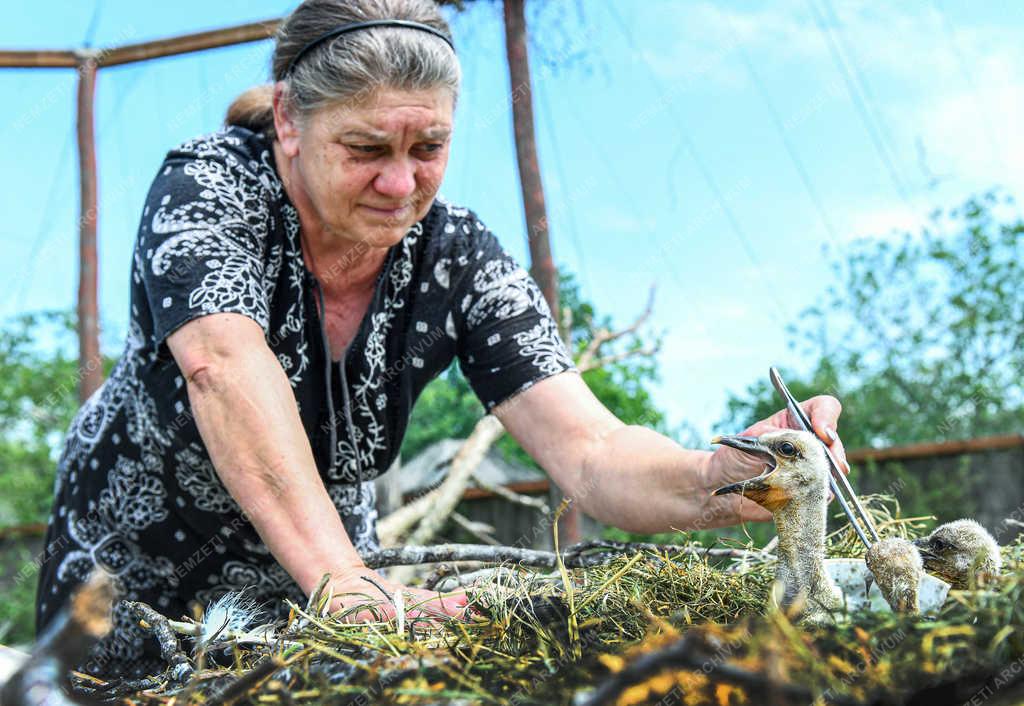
<point x="363" y="25"/>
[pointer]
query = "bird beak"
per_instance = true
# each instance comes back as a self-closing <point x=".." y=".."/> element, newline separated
<point x="759" y="489"/>
<point x="747" y="444"/>
<point x="923" y="548"/>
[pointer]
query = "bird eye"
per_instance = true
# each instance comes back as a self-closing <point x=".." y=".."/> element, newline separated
<point x="940" y="544"/>
<point x="787" y="449"/>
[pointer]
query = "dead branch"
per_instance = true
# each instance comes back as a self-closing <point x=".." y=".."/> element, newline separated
<point x="467" y="458"/>
<point x="602" y="337"/>
<point x="433" y="509"/>
<point x="481" y="530"/>
<point x="513" y="497"/>
<point x="619" y="357"/>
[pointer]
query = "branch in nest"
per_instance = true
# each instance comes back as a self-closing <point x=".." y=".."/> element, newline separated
<point x="179" y="669"/>
<point x="575" y="556"/>
<point x="247" y="682"/>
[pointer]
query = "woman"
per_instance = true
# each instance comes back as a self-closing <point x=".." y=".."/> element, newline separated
<point x="296" y="282"/>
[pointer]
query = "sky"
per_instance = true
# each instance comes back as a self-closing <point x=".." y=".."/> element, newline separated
<point x="725" y="152"/>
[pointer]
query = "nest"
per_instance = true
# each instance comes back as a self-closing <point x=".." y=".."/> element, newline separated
<point x="671" y="625"/>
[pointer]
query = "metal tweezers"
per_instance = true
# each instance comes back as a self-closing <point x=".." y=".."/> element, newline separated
<point x="837" y="480"/>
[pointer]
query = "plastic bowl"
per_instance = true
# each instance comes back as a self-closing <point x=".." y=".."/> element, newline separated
<point x="850" y="575"/>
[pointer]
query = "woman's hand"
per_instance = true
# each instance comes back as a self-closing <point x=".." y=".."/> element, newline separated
<point x="362" y="586"/>
<point x="727" y="465"/>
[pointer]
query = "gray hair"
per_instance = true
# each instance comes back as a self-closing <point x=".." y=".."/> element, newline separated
<point x="352" y="66"/>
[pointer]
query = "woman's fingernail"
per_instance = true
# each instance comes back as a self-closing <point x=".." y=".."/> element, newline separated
<point x="831" y="434"/>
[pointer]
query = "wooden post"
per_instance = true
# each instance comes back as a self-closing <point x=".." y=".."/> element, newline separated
<point x="90" y="368"/>
<point x="542" y="264"/>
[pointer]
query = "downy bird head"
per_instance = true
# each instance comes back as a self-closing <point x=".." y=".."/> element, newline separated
<point x="796" y="469"/>
<point x="960" y="552"/>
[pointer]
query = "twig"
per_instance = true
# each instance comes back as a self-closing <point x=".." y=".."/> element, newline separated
<point x="513" y="497"/>
<point x="590" y="357"/>
<point x="623" y="355"/>
<point x="179" y="669"/>
<point x="480" y="530"/>
<point x="247" y="682"/>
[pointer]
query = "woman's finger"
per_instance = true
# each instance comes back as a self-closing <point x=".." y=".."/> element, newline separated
<point x="839" y="451"/>
<point x="824" y="411"/>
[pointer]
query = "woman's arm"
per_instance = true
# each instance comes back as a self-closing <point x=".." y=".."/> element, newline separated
<point x="629" y="476"/>
<point x="246" y="414"/>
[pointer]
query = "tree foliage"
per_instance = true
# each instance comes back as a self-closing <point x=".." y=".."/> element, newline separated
<point x="39" y="377"/>
<point x="922" y="338"/>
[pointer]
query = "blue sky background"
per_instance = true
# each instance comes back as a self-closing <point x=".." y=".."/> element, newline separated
<point x="711" y="148"/>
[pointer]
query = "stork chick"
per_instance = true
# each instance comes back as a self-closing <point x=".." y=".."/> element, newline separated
<point x="896" y="566"/>
<point x="794" y="488"/>
<point x="960" y="553"/>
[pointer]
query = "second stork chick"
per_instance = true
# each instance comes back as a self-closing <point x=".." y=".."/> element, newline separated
<point x="962" y="553"/>
<point x="794" y="488"/>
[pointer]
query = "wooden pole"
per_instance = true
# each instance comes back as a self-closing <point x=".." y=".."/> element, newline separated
<point x="90" y="367"/>
<point x="142" y="51"/>
<point x="38" y="59"/>
<point x="184" y="44"/>
<point x="542" y="264"/>
<point x="86" y="62"/>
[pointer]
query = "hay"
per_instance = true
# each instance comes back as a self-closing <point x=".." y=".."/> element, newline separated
<point x="669" y="626"/>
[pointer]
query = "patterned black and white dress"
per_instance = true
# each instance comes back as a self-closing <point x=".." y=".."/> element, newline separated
<point x="136" y="493"/>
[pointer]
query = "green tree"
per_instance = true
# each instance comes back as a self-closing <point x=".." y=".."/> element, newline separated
<point x="922" y="339"/>
<point x="38" y="397"/>
<point x="930" y="342"/>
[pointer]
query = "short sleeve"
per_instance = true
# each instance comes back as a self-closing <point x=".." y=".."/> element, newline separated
<point x="202" y="241"/>
<point x="508" y="340"/>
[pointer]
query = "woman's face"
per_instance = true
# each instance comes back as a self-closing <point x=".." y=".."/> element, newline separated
<point x="368" y="171"/>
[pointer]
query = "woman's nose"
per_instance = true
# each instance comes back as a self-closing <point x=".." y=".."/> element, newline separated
<point x="396" y="180"/>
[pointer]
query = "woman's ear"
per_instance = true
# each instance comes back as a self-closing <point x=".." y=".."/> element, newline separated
<point x="285" y="125"/>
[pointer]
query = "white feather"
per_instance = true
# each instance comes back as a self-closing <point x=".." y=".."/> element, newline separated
<point x="228" y="616"/>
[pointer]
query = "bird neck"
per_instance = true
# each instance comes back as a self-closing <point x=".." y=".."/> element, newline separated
<point x="801" y="552"/>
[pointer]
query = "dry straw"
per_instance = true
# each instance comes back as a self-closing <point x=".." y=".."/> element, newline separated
<point x="670" y="623"/>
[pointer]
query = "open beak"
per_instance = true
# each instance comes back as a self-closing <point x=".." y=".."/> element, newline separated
<point x="747" y="444"/>
<point x="760" y="488"/>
